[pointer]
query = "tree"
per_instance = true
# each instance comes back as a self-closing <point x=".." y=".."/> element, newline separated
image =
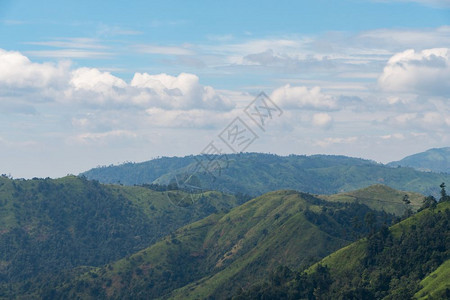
<point x="428" y="202"/>
<point x="444" y="196"/>
<point x="370" y="220"/>
<point x="406" y="200"/>
<point x="408" y="210"/>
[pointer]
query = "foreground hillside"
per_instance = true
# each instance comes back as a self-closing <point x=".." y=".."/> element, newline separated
<point x="433" y="160"/>
<point x="218" y="255"/>
<point x="255" y="174"/>
<point x="408" y="260"/>
<point x="51" y="225"/>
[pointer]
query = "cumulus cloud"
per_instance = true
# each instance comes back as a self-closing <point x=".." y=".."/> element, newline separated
<point x="425" y="72"/>
<point x="302" y="97"/>
<point x="180" y="92"/>
<point x="95" y="80"/>
<point x="17" y="71"/>
<point x="95" y="87"/>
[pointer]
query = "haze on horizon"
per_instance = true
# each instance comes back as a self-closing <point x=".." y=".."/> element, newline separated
<point x="85" y="84"/>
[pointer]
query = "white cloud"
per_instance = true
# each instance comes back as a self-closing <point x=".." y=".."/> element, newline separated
<point x="425" y="72"/>
<point x="180" y="92"/>
<point x="429" y="121"/>
<point x="322" y="120"/>
<point x="335" y="54"/>
<point x="103" y="137"/>
<point x="93" y="87"/>
<point x="95" y="80"/>
<point x="336" y="140"/>
<point x="398" y="136"/>
<point x="17" y="71"/>
<point x="301" y="97"/>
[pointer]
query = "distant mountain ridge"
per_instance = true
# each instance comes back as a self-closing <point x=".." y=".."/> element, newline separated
<point x="432" y="160"/>
<point x="258" y="173"/>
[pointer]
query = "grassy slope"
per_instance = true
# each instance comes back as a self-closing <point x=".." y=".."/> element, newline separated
<point x="291" y="241"/>
<point x="347" y="259"/>
<point x="217" y="255"/>
<point x="435" y="284"/>
<point x="223" y="246"/>
<point x="376" y="196"/>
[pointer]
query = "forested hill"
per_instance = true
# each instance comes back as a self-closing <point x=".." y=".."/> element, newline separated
<point x="51" y="225"/>
<point x="409" y="260"/>
<point x="214" y="257"/>
<point x="256" y="173"/>
<point x="74" y="238"/>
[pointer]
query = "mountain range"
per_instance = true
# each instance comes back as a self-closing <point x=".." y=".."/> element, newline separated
<point x="213" y="257"/>
<point x="253" y="226"/>
<point x="256" y="173"/>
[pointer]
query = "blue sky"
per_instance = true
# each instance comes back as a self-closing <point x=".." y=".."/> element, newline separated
<point x="84" y="84"/>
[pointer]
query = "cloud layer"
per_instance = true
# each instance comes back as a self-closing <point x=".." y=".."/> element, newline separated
<point x="377" y="99"/>
<point x="94" y="87"/>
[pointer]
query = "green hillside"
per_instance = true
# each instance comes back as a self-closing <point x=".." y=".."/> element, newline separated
<point x="47" y="226"/>
<point x="409" y="259"/>
<point x="218" y="255"/>
<point x="437" y="284"/>
<point x="380" y="197"/>
<point x="256" y="174"/>
<point x="433" y="160"/>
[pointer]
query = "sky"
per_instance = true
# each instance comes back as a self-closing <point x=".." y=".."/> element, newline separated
<point x="90" y="83"/>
